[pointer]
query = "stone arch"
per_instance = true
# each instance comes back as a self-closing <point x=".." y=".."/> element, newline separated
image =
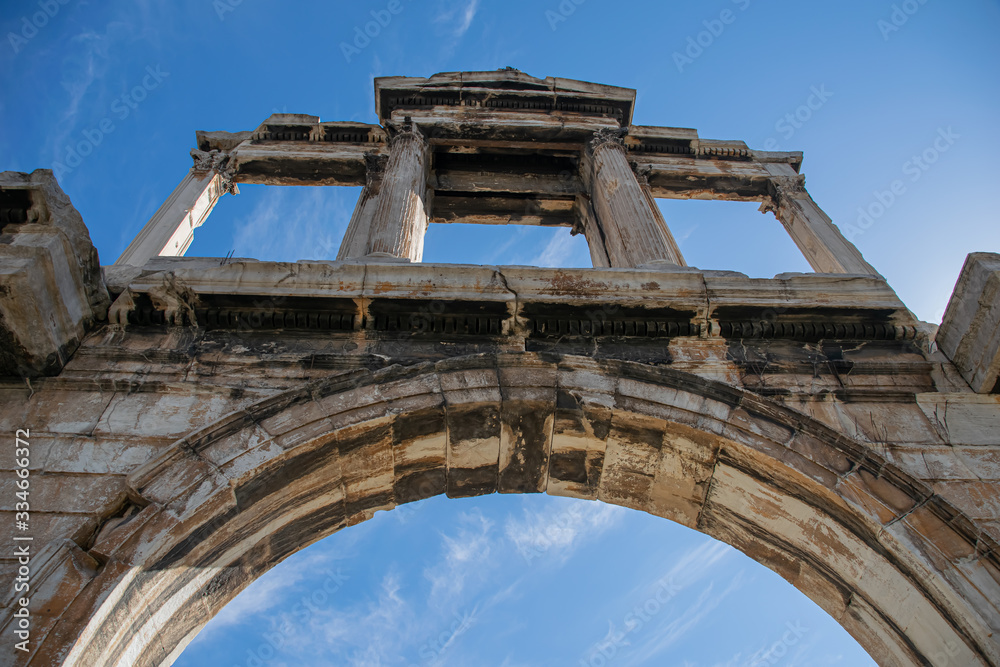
<point x="902" y="570"/>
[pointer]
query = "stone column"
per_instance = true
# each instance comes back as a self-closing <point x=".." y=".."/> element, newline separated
<point x="355" y="242"/>
<point x="586" y="224"/>
<point x="812" y="230"/>
<point x="171" y="229"/>
<point x="634" y="231"/>
<point x="674" y="251"/>
<point x="399" y="221"/>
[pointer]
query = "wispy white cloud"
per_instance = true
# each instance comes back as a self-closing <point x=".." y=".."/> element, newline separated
<point x="466" y="18"/>
<point x="452" y="21"/>
<point x="687" y="234"/>
<point x="260" y="596"/>
<point x="458" y="16"/>
<point x="363" y="634"/>
<point x="698" y="562"/>
<point x="497" y="256"/>
<point x="287" y="225"/>
<point x="85" y="68"/>
<point x="95" y="67"/>
<point x="510" y="662"/>
<point x="692" y="566"/>
<point x="562" y="250"/>
<point x="789" y="647"/>
<point x="652" y="644"/>
<point x="555" y="253"/>
<point x="465" y="553"/>
<point x="559" y="529"/>
<point x="375" y="632"/>
<point x="637" y="641"/>
<point x="280" y="586"/>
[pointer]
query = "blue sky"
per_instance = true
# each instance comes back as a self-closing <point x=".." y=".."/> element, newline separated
<point x="893" y="86"/>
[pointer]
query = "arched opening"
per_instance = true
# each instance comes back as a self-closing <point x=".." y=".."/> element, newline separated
<point x="228" y="502"/>
<point x="528" y="579"/>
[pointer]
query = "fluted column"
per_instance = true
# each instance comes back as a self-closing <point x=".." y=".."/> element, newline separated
<point x="400" y="218"/>
<point x="673" y="249"/>
<point x="355" y="243"/>
<point x="634" y="230"/>
<point x="586" y="224"/>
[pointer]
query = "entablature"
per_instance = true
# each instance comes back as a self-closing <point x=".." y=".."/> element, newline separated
<point x="506" y="89"/>
<point x="528" y="302"/>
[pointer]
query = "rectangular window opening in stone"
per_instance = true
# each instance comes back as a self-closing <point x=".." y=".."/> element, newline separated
<point x="279" y="223"/>
<point x="529" y="245"/>
<point x="714" y="235"/>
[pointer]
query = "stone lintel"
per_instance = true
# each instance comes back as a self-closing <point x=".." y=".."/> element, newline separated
<point x="301" y="163"/>
<point x="662" y="140"/>
<point x="682" y="176"/>
<point x="970" y="332"/>
<point x="649" y="132"/>
<point x="688" y="177"/>
<point x="308" y="278"/>
<point x="500" y="208"/>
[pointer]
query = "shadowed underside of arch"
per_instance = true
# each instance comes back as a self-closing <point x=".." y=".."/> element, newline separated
<point x="897" y="566"/>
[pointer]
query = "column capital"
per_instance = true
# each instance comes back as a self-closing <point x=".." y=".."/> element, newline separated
<point x="781" y="188"/>
<point x="788" y="185"/>
<point x="215" y="161"/>
<point x="607" y="136"/>
<point x="402" y="131"/>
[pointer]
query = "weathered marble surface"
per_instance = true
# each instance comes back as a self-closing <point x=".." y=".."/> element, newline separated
<point x="51" y="290"/>
<point x="970" y="332"/>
